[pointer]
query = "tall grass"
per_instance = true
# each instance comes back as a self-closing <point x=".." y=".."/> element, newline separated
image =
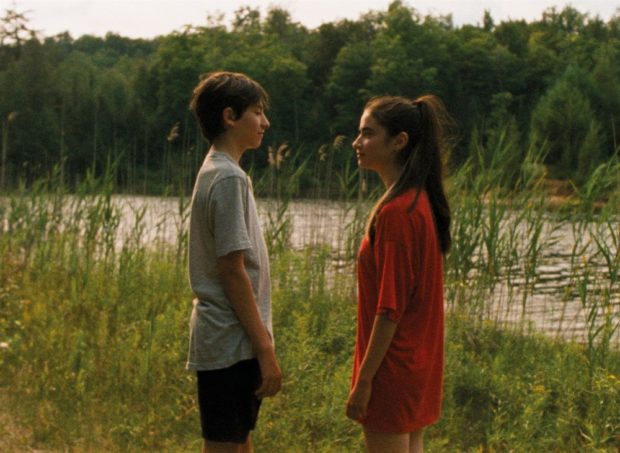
<point x="93" y="329"/>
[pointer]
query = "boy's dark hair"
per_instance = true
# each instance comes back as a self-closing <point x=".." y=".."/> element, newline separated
<point x="219" y="90"/>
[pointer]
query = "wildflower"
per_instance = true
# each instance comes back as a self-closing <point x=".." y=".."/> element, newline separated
<point x="323" y="152"/>
<point x="276" y="158"/>
<point x="338" y="142"/>
<point x="4" y="345"/>
<point x="173" y="134"/>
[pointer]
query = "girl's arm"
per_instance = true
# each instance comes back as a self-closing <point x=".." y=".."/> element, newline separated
<point x="380" y="338"/>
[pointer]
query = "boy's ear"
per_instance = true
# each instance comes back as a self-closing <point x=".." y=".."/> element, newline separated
<point x="229" y="117"/>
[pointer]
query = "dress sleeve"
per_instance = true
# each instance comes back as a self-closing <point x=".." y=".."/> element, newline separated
<point x="393" y="250"/>
<point x="227" y="208"/>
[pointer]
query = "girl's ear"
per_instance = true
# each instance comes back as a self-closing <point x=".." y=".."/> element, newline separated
<point x="401" y="140"/>
<point x="229" y="117"/>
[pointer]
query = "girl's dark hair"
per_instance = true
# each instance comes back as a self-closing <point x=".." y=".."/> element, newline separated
<point x="219" y="90"/>
<point x="425" y="121"/>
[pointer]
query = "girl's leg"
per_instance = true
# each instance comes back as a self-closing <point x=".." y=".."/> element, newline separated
<point x="416" y="443"/>
<point x="386" y="442"/>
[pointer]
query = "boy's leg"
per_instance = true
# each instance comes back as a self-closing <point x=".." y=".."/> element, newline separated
<point x="227" y="447"/>
<point x="248" y="447"/>
<point x="220" y="447"/>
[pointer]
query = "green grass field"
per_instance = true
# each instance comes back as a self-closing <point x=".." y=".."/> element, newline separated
<point x="93" y="333"/>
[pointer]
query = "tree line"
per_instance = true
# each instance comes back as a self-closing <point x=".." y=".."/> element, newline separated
<point x="79" y="106"/>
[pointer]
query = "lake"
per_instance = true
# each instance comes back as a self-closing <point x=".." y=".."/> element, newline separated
<point x="565" y="298"/>
<point x="554" y="279"/>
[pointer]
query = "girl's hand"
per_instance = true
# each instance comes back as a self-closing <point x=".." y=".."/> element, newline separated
<point x="358" y="400"/>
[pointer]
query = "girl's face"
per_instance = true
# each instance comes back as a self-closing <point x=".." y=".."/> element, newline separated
<point x="375" y="149"/>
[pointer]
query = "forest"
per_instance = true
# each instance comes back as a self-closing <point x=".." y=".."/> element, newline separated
<point x="88" y="105"/>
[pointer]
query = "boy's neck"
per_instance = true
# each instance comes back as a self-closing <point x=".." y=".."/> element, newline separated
<point x="227" y="146"/>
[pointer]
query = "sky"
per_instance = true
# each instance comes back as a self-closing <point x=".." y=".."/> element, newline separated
<point x="150" y="18"/>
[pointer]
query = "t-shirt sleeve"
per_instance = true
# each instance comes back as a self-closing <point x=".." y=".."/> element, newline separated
<point x="228" y="206"/>
<point x="393" y="248"/>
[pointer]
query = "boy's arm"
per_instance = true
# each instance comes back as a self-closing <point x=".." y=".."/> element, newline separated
<point x="238" y="289"/>
<point x="383" y="330"/>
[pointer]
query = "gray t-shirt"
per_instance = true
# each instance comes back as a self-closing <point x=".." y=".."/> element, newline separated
<point x="223" y="219"/>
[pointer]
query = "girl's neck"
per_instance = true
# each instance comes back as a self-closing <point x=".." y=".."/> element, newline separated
<point x="389" y="175"/>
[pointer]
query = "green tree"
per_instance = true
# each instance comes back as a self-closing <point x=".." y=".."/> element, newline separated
<point x="79" y="100"/>
<point x="606" y="86"/>
<point x="325" y="43"/>
<point x="27" y="88"/>
<point x="177" y="66"/>
<point x="514" y="35"/>
<point x="400" y="48"/>
<point x="292" y="35"/>
<point x="483" y="68"/>
<point x="284" y="78"/>
<point x="562" y="119"/>
<point x="15" y="31"/>
<point x="76" y="78"/>
<point x="346" y="87"/>
<point x="247" y="19"/>
<point x="590" y="152"/>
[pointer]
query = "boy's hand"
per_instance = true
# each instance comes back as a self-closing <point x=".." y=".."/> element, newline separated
<point x="270" y="373"/>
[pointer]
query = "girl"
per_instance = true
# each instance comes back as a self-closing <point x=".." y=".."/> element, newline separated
<point x="398" y="367"/>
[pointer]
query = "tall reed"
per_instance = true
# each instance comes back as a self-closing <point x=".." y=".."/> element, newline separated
<point x="93" y="332"/>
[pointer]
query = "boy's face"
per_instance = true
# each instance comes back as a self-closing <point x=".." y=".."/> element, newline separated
<point x="249" y="129"/>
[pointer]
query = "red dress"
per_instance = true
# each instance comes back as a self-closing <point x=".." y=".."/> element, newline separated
<point x="401" y="275"/>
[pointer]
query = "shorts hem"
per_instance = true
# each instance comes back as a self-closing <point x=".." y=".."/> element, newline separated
<point x="406" y="429"/>
<point x="193" y="366"/>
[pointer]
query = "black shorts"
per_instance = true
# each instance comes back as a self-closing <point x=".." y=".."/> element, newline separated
<point x="228" y="406"/>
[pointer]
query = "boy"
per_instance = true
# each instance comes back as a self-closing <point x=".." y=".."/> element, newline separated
<point x="231" y="342"/>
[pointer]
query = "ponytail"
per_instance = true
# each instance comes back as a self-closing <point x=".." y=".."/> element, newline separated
<point x="422" y="159"/>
